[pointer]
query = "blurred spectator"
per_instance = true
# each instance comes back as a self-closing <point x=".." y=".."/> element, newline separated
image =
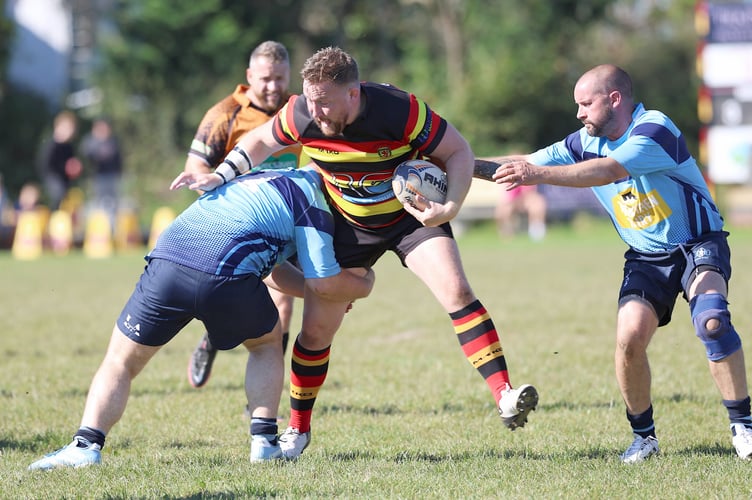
<point x="521" y="201"/>
<point x="31" y="220"/>
<point x="101" y="149"/>
<point x="29" y="197"/>
<point x="58" y="165"/>
<point x="7" y="217"/>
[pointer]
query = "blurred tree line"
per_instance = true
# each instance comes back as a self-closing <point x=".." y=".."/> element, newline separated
<point x="501" y="70"/>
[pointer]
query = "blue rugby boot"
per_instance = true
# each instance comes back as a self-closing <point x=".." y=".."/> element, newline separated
<point x="641" y="449"/>
<point x="79" y="453"/>
<point x="265" y="447"/>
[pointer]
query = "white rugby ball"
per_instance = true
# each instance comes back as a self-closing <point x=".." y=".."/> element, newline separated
<point x="419" y="177"/>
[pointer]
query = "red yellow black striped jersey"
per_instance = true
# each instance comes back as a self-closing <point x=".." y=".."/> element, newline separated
<point x="226" y="122"/>
<point x="357" y="167"/>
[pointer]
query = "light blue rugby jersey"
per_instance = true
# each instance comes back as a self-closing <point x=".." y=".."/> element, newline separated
<point x="664" y="201"/>
<point x="253" y="223"/>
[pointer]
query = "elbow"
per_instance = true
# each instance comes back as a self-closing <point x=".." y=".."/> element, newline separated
<point x="341" y="288"/>
<point x="321" y="287"/>
<point x="329" y="290"/>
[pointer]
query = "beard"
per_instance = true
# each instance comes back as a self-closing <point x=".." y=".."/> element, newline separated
<point x="599" y="129"/>
<point x="272" y="102"/>
<point x="330" y="128"/>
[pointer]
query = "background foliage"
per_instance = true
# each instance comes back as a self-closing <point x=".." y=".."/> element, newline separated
<point x="501" y="70"/>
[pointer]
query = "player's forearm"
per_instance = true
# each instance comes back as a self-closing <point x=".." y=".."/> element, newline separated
<point x="252" y="149"/>
<point x="459" y="170"/>
<point x="589" y="173"/>
<point x="196" y="165"/>
<point x="456" y="157"/>
<point x="486" y="167"/>
<point x="287" y="279"/>
<point x="237" y="162"/>
<point x="348" y="285"/>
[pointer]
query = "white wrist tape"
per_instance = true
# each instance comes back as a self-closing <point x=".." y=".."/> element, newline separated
<point x="236" y="162"/>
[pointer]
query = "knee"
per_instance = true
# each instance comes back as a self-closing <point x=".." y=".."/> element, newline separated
<point x="285" y="307"/>
<point x="712" y="322"/>
<point x="629" y="346"/>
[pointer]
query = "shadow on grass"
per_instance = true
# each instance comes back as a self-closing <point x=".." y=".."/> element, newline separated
<point x="715" y="450"/>
<point x="39" y="443"/>
<point x="145" y="389"/>
<point x="416" y="457"/>
<point x="388" y="409"/>
<point x="674" y="398"/>
<point x="248" y="493"/>
<point x="49" y="441"/>
<point x="593" y="453"/>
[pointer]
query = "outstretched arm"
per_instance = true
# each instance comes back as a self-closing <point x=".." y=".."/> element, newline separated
<point x="325" y="304"/>
<point x="517" y="171"/>
<point x="287" y="279"/>
<point x="588" y="173"/>
<point x="348" y="285"/>
<point x="252" y="149"/>
<point x="486" y="167"/>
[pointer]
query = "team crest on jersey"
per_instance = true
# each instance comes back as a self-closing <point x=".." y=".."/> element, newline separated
<point x="635" y="210"/>
<point x="384" y="152"/>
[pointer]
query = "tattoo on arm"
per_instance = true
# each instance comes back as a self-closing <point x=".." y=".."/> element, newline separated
<point x="484" y="169"/>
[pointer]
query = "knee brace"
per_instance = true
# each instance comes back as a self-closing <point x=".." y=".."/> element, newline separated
<point x="721" y="341"/>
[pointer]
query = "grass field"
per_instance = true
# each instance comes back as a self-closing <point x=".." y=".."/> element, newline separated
<point x="402" y="414"/>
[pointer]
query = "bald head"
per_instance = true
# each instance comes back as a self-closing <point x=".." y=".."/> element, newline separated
<point x="607" y="78"/>
<point x="604" y="101"/>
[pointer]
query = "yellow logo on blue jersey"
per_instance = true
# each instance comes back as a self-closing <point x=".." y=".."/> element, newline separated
<point x="635" y="210"/>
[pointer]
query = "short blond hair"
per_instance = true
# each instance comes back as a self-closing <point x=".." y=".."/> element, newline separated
<point x="275" y="51"/>
<point x="330" y="64"/>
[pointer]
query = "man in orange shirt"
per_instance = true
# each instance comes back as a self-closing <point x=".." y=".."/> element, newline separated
<point x="268" y="76"/>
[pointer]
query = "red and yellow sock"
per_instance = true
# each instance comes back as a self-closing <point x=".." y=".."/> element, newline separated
<point x="480" y="343"/>
<point x="307" y="375"/>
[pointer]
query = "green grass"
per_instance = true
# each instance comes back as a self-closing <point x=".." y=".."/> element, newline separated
<point x="402" y="414"/>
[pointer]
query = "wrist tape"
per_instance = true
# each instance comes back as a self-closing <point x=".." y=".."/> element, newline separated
<point x="236" y="162"/>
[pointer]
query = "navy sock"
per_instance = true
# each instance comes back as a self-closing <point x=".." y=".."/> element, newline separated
<point x="91" y="435"/>
<point x="262" y="425"/>
<point x="642" y="423"/>
<point x="738" y="411"/>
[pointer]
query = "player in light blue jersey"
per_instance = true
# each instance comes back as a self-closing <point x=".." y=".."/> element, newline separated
<point x="209" y="265"/>
<point x="637" y="164"/>
<point x="286" y="211"/>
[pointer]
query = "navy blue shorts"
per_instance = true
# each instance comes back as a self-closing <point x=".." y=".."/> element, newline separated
<point x="355" y="246"/>
<point x="660" y="277"/>
<point x="168" y="296"/>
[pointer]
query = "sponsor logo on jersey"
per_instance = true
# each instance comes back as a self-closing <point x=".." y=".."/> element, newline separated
<point x="325" y="151"/>
<point x="635" y="210"/>
<point x="365" y="185"/>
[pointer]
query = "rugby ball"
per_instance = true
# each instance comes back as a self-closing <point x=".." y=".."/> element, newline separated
<point x="419" y="177"/>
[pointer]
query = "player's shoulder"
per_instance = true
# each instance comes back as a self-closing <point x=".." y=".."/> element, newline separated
<point x="221" y="110"/>
<point x="388" y="104"/>
<point x="644" y="115"/>
<point x="384" y="91"/>
<point x="653" y="116"/>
